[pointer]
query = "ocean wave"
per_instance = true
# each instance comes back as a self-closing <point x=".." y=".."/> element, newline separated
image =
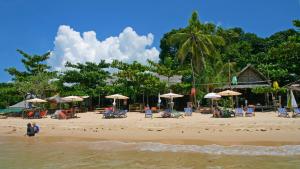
<point x="247" y="150"/>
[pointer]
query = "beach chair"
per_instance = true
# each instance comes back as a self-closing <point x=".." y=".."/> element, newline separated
<point x="37" y="115"/>
<point x="296" y="112"/>
<point x="30" y="114"/>
<point x="250" y="112"/>
<point x="148" y="113"/>
<point x="176" y="114"/>
<point x="239" y="112"/>
<point x="43" y="113"/>
<point x="166" y="114"/>
<point x="188" y="111"/>
<point x="282" y="112"/>
<point x="154" y="110"/>
<point x="108" y="114"/>
<point x="121" y="114"/>
<point x="227" y="113"/>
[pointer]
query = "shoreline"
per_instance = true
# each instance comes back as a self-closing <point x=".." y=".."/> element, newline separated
<point x="49" y="139"/>
<point x="264" y="129"/>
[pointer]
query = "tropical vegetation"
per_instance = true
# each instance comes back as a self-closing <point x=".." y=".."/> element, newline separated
<point x="201" y="54"/>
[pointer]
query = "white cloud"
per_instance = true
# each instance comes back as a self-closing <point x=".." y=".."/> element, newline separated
<point x="127" y="47"/>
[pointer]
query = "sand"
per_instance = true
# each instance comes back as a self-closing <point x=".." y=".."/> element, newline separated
<point x="263" y="129"/>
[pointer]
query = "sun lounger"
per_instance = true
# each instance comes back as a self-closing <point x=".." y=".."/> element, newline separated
<point x="282" y="112"/>
<point x="296" y="112"/>
<point x="120" y="114"/>
<point x="188" y="111"/>
<point x="239" y="112"/>
<point x="43" y="113"/>
<point x="166" y="114"/>
<point x="30" y="114"/>
<point x="227" y="113"/>
<point x="250" y="112"/>
<point x="148" y="113"/>
<point x="176" y="114"/>
<point x="108" y="114"/>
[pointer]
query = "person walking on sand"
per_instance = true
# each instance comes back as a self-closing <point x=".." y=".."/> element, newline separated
<point x="36" y="128"/>
<point x="30" y="130"/>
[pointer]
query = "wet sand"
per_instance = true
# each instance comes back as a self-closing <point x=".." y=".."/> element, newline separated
<point x="263" y="129"/>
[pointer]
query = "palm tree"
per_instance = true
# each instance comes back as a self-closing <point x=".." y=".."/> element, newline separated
<point x="195" y="44"/>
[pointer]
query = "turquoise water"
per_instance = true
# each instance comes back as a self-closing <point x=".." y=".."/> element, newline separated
<point x="43" y="153"/>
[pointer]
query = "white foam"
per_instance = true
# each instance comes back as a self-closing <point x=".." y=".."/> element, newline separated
<point x="247" y="150"/>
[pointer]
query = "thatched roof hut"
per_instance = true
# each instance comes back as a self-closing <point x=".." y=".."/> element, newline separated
<point x="249" y="78"/>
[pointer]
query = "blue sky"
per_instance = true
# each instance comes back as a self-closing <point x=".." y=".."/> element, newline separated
<point x="32" y="25"/>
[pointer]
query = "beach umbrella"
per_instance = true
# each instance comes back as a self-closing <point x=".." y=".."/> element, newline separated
<point x="115" y="97"/>
<point x="159" y="101"/>
<point x="229" y="93"/>
<point x="36" y="100"/>
<point x="57" y="99"/>
<point x="73" y="99"/>
<point x="84" y="97"/>
<point x="212" y="96"/>
<point x="294" y="103"/>
<point x="171" y="96"/>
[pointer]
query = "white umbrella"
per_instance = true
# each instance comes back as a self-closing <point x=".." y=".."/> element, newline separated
<point x="159" y="100"/>
<point x="84" y="97"/>
<point x="36" y="100"/>
<point x="171" y="96"/>
<point x="293" y="100"/>
<point x="116" y="96"/>
<point x="73" y="98"/>
<point x="229" y="93"/>
<point x="212" y="96"/>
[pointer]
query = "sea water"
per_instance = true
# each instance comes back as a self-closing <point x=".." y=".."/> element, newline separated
<point x="38" y="153"/>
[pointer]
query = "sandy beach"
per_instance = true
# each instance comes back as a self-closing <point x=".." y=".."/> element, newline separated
<point x="263" y="129"/>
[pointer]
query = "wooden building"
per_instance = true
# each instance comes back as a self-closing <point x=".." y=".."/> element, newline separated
<point x="247" y="79"/>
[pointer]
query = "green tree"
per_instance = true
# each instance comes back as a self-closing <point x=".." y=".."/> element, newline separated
<point x="86" y="78"/>
<point x="136" y="79"/>
<point x="8" y="95"/>
<point x="167" y="68"/>
<point x="39" y="85"/>
<point x="196" y="45"/>
<point x="33" y="64"/>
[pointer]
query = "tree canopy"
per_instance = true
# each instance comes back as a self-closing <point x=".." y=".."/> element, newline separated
<point x="202" y="53"/>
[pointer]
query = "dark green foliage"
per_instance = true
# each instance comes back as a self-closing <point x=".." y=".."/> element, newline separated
<point x="8" y="95"/>
<point x="35" y="79"/>
<point x="88" y="79"/>
<point x="33" y="64"/>
<point x="135" y="80"/>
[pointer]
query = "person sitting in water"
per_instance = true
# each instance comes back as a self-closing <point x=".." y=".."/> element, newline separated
<point x="30" y="130"/>
<point x="36" y="128"/>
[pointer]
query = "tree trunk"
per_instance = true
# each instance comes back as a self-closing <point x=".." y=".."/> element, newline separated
<point x="193" y="83"/>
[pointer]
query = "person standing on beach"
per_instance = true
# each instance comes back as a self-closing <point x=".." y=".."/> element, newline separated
<point x="30" y="130"/>
<point x="36" y="128"/>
